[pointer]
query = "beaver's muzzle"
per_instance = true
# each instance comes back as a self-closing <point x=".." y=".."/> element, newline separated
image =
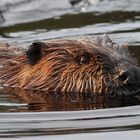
<point x="130" y="80"/>
<point x="132" y="75"/>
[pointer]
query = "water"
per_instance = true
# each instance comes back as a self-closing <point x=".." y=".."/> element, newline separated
<point x="120" y="122"/>
<point x="21" y="115"/>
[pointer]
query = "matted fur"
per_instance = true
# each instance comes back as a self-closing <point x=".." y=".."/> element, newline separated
<point x="60" y="68"/>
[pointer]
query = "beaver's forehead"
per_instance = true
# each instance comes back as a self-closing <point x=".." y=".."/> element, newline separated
<point x="72" y="47"/>
<point x="86" y="42"/>
<point x="65" y="44"/>
<point x="73" y="44"/>
<point x="102" y="44"/>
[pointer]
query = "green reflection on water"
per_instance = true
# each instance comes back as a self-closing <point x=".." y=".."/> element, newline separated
<point x="73" y="21"/>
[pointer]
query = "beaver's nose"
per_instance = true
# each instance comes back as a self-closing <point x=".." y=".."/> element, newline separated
<point x="123" y="77"/>
<point x="132" y="75"/>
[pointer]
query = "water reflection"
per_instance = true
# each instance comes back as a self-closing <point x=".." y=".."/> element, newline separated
<point x="42" y="101"/>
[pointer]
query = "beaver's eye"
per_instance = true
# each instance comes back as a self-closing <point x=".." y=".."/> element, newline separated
<point x="84" y="59"/>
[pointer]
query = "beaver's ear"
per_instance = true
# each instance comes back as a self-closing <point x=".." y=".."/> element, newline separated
<point x="35" y="52"/>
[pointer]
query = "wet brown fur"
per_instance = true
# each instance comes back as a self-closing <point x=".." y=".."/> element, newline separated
<point x="60" y="69"/>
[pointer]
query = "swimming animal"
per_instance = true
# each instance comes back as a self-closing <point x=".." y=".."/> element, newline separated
<point x="84" y="65"/>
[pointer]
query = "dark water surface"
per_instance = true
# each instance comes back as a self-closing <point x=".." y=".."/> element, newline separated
<point x="42" y="117"/>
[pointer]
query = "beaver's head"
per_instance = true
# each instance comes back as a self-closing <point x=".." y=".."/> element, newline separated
<point x="78" y="65"/>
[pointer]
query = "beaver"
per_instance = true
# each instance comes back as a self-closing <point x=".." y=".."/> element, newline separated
<point x="83" y="65"/>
